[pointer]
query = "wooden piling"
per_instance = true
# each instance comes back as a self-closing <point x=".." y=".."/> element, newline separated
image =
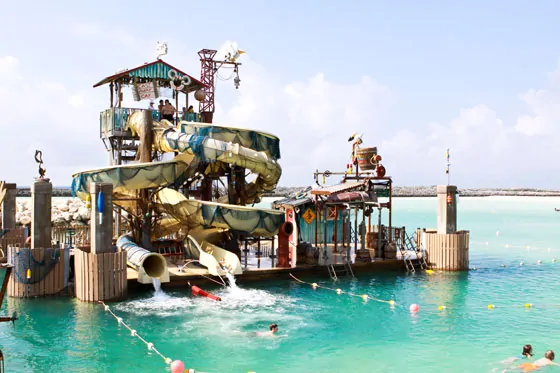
<point x="23" y="286"/>
<point x="447" y="252"/>
<point x="100" y="276"/>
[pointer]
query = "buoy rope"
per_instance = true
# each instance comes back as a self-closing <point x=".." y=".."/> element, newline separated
<point x="149" y="345"/>
<point x="133" y="333"/>
<point x="439" y="308"/>
<point x="314" y="285"/>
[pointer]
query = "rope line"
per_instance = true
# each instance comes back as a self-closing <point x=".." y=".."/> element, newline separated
<point x="314" y="285"/>
<point x="133" y="333"/>
<point x="439" y="308"/>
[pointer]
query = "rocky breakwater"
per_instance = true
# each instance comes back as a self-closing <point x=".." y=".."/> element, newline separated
<point x="65" y="212"/>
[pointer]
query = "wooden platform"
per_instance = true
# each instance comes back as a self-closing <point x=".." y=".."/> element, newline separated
<point x="179" y="279"/>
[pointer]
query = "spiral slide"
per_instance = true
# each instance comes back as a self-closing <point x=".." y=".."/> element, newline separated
<point x="202" y="149"/>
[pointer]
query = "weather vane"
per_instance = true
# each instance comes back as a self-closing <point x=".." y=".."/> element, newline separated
<point x="42" y="170"/>
<point x="161" y="49"/>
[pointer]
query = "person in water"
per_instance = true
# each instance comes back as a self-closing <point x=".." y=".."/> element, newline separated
<point x="546" y="360"/>
<point x="527" y="353"/>
<point x="273" y="330"/>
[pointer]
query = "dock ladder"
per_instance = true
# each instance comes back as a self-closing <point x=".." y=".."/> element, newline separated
<point x="405" y="248"/>
<point x="412" y="245"/>
<point x="335" y="271"/>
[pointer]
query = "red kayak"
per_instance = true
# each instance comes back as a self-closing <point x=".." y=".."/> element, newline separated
<point x="198" y="291"/>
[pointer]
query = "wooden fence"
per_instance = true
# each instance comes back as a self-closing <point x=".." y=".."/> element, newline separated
<point x="100" y="276"/>
<point x="14" y="237"/>
<point x="25" y="285"/>
<point x="447" y="252"/>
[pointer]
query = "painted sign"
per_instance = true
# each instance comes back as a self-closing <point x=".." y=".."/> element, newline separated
<point x="309" y="215"/>
<point x="144" y="91"/>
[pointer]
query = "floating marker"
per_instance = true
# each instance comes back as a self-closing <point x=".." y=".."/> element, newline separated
<point x="314" y="285"/>
<point x="365" y="297"/>
<point x="338" y="291"/>
<point x="491" y="306"/>
<point x="539" y="261"/>
<point x="392" y="302"/>
<point x="414" y="308"/>
<point x="441" y="308"/>
<point x="521" y="263"/>
<point x="528" y="305"/>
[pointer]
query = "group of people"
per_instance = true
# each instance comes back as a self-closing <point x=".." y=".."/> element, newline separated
<point x="527" y="354"/>
<point x="167" y="110"/>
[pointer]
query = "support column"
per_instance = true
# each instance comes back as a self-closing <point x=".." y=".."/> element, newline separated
<point x="446" y="248"/>
<point x="41" y="206"/>
<point x="9" y="207"/>
<point x="101" y="222"/>
<point x="447" y="209"/>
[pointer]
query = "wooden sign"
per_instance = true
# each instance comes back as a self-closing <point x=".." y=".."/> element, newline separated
<point x="309" y="215"/>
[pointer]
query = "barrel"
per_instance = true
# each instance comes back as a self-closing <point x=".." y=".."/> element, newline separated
<point x="366" y="160"/>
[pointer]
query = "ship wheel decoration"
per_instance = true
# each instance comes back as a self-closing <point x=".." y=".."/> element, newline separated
<point x="39" y="160"/>
<point x="178" y="82"/>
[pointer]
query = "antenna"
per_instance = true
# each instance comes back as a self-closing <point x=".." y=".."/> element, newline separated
<point x="447" y="167"/>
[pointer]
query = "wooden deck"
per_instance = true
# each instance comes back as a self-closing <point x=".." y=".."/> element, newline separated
<point x="201" y="275"/>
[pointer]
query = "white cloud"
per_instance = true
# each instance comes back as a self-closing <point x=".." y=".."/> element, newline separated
<point x="8" y="65"/>
<point x="313" y="118"/>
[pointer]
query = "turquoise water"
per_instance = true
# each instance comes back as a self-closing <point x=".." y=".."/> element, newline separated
<point x="321" y="331"/>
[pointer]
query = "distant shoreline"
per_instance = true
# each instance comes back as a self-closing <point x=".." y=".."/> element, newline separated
<point x="428" y="191"/>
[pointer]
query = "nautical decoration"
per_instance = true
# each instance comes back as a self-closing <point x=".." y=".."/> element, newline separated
<point x="199" y="95"/>
<point x="380" y="170"/>
<point x="42" y="170"/>
<point x="177" y="366"/>
<point x="172" y="74"/>
<point x="144" y="91"/>
<point x="88" y="201"/>
<point x="177" y="82"/>
<point x="161" y="49"/>
<point x="101" y="206"/>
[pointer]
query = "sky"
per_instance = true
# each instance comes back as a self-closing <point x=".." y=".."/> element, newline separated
<point x="480" y="78"/>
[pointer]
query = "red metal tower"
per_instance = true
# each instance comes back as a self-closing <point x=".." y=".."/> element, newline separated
<point x="207" y="71"/>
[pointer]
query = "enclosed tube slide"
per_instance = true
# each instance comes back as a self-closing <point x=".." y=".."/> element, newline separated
<point x="148" y="264"/>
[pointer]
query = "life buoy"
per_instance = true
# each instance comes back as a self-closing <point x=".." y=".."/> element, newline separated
<point x="172" y="74"/>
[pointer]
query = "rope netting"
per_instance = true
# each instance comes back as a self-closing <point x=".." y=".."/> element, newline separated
<point x="31" y="270"/>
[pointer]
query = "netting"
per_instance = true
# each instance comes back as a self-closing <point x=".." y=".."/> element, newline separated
<point x="24" y="260"/>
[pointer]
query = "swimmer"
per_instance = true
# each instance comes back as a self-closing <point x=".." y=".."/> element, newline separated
<point x="273" y="330"/>
<point x="546" y="360"/>
<point x="526" y="354"/>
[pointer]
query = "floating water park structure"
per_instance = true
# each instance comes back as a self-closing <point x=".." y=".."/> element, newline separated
<point x="170" y="219"/>
<point x="177" y="204"/>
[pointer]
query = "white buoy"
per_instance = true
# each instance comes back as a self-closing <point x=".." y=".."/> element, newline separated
<point x="497" y="233"/>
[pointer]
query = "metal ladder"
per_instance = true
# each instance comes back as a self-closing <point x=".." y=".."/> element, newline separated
<point x="412" y="245"/>
<point x="403" y="248"/>
<point x="347" y="270"/>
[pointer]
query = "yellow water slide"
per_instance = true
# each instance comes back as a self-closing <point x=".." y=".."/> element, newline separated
<point x="201" y="149"/>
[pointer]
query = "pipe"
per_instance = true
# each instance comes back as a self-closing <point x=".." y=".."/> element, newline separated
<point x="154" y="264"/>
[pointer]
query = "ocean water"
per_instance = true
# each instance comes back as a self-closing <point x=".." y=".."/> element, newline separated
<point x="319" y="330"/>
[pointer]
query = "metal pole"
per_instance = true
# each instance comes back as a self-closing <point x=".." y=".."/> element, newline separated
<point x="379" y="234"/>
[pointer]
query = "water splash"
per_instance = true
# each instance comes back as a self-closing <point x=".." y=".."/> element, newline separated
<point x="157" y="286"/>
<point x="231" y="280"/>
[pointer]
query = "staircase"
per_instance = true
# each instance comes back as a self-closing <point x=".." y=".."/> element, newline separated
<point x="408" y="245"/>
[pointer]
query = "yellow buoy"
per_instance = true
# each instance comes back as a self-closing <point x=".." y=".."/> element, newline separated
<point x="429" y="271"/>
<point x="528" y="305"/>
<point x="28" y="274"/>
<point x="314" y="285"/>
<point x="490" y="306"/>
<point x="441" y="308"/>
<point x="392" y="302"/>
<point x="88" y="201"/>
<point x="365" y="297"/>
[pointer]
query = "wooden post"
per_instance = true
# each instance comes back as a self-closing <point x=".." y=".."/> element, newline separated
<point x="145" y="149"/>
<point x="101" y="228"/>
<point x="448" y="252"/>
<point x="111" y="95"/>
<point x="100" y="277"/>
<point x="41" y="205"/>
<point x="9" y="207"/>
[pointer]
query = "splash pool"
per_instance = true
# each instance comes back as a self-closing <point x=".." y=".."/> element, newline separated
<point x="320" y="330"/>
